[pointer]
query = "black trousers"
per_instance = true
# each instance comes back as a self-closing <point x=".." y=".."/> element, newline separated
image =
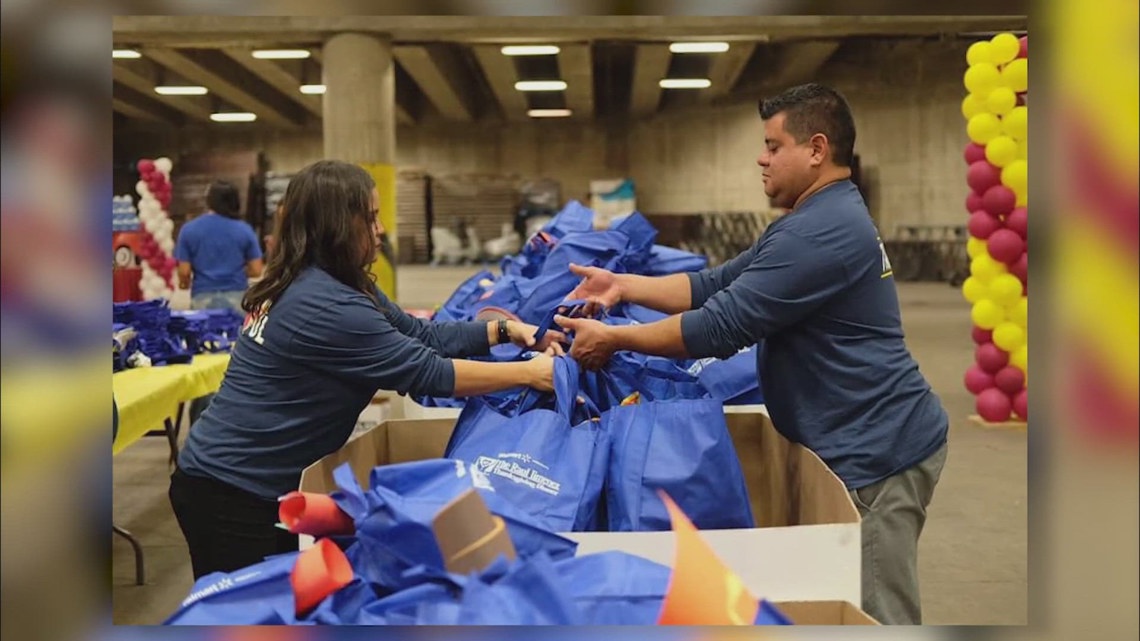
<point x="225" y="527"/>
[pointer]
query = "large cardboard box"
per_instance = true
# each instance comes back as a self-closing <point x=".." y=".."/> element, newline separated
<point x="806" y="546"/>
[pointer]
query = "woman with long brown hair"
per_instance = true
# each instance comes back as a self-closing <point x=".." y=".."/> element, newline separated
<point x="319" y="340"/>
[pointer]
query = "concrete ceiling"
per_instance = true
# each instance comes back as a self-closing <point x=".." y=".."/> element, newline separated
<point x="450" y="68"/>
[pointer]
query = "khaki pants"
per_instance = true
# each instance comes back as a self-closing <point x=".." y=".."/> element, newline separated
<point x="894" y="512"/>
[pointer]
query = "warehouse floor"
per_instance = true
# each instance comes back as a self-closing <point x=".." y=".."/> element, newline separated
<point x="972" y="556"/>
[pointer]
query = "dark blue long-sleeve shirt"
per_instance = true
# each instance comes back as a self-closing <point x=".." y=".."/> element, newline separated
<point x="302" y="372"/>
<point x="836" y="373"/>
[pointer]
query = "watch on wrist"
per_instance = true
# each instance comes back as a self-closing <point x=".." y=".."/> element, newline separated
<point x="504" y="335"/>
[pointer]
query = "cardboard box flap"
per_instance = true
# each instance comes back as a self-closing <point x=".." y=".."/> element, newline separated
<point x="788" y="483"/>
<point x="824" y="613"/>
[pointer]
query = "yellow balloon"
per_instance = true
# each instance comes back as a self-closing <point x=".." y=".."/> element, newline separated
<point x="982" y="78"/>
<point x="979" y="52"/>
<point x="1001" y="101"/>
<point x="975" y="247"/>
<point x="1009" y="336"/>
<point x="972" y="106"/>
<point x="1015" y="175"/>
<point x="1005" y="289"/>
<point x="1014" y="75"/>
<point x="1019" y="312"/>
<point x="1003" y="48"/>
<point x="1022" y="198"/>
<point x="1019" y="358"/>
<point x="986" y="268"/>
<point x="983" y="128"/>
<point x="1015" y="124"/>
<point x="987" y="314"/>
<point x="1023" y="150"/>
<point x="975" y="290"/>
<point x="1001" y="151"/>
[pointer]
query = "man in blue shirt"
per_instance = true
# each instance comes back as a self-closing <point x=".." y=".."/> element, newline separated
<point x="222" y="253"/>
<point x="817" y="289"/>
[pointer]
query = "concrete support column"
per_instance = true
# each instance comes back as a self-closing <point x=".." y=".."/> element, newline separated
<point x="359" y="122"/>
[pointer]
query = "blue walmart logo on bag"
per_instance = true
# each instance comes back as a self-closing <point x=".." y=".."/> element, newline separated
<point x="508" y="466"/>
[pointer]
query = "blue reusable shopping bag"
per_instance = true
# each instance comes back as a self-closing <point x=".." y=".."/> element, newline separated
<point x="459" y="306"/>
<point x="260" y="594"/>
<point x="394" y="518"/>
<point x="550" y="463"/>
<point x="735" y="380"/>
<point x="615" y="588"/>
<point x="669" y="260"/>
<point x="680" y="446"/>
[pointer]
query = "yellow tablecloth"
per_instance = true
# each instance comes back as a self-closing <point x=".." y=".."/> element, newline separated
<point x="147" y="396"/>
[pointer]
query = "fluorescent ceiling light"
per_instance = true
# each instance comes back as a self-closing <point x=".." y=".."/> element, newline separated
<point x="312" y="89"/>
<point x="685" y="83"/>
<point x="530" y="50"/>
<point x="540" y="85"/>
<point x="233" y="116"/>
<point x="181" y="90"/>
<point x="548" y="113"/>
<point x="125" y="54"/>
<point x="698" y="47"/>
<point x="282" y="54"/>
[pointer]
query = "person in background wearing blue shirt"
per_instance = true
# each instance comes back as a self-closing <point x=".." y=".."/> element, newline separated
<point x="320" y="339"/>
<point x="221" y="253"/>
<point x="817" y="289"/>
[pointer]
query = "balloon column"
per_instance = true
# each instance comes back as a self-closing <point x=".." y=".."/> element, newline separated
<point x="157" y="247"/>
<point x="996" y="112"/>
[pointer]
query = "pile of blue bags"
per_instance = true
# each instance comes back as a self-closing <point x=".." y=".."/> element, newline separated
<point x="167" y="337"/>
<point x="398" y="576"/>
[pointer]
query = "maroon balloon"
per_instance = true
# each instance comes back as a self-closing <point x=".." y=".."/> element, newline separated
<point x="974" y="202"/>
<point x="978" y="380"/>
<point x="1024" y="42"/>
<point x="1010" y="380"/>
<point x="982" y="225"/>
<point x="999" y="200"/>
<point x="994" y="405"/>
<point x="990" y="358"/>
<point x="145" y="166"/>
<point x="1021" y="405"/>
<point x="1018" y="221"/>
<point x="982" y="336"/>
<point x="1020" y="268"/>
<point x="1022" y="100"/>
<point x="171" y="262"/>
<point x="974" y="153"/>
<point x="982" y="175"/>
<point x="1006" y="246"/>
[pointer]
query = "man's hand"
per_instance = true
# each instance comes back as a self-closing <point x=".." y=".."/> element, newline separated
<point x="599" y="288"/>
<point x="522" y="335"/>
<point x="593" y="341"/>
<point x="541" y="373"/>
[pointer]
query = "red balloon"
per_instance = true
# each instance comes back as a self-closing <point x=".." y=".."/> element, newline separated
<point x="978" y="380"/>
<point x="1010" y="380"/>
<point x="982" y="225"/>
<point x="1020" y="268"/>
<point x="974" y="202"/>
<point x="1006" y="246"/>
<point x="171" y="262"/>
<point x="990" y="358"/>
<point x="1018" y="221"/>
<point x="145" y="166"/>
<point x="999" y="200"/>
<point x="1024" y="52"/>
<point x="982" y="336"/>
<point x="974" y="153"/>
<point x="994" y="405"/>
<point x="1021" y="405"/>
<point x="982" y="175"/>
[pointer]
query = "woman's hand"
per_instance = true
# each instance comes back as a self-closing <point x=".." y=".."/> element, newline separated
<point x="541" y="373"/>
<point x="522" y="334"/>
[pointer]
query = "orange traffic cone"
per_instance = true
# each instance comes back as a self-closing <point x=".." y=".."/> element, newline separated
<point x="702" y="589"/>
<point x="314" y="514"/>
